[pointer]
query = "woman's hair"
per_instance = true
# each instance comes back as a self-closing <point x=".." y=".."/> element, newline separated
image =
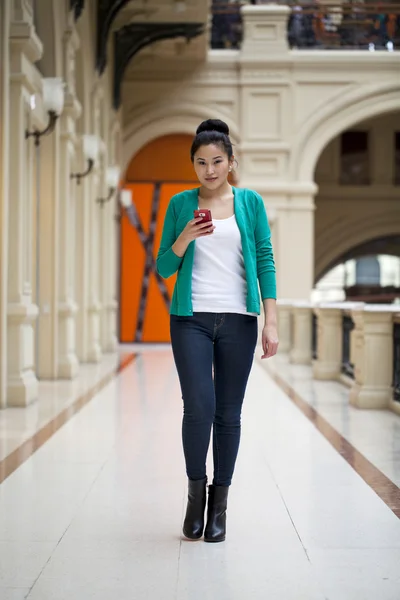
<point x="212" y="131"/>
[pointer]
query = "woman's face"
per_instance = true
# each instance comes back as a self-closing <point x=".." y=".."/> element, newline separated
<point x="212" y="166"/>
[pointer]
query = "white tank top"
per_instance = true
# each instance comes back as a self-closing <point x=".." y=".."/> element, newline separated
<point x="219" y="278"/>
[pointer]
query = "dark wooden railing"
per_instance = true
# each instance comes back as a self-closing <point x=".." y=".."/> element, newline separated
<point x="368" y="26"/>
<point x="396" y="361"/>
<point x="347" y="327"/>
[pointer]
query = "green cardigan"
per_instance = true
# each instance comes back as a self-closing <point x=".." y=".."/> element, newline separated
<point x="256" y="245"/>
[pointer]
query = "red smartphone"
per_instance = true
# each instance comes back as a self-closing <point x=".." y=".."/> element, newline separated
<point x="205" y="213"/>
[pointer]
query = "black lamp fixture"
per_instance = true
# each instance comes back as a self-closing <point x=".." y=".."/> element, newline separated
<point x="112" y="179"/>
<point x="90" y="151"/>
<point x="53" y="104"/>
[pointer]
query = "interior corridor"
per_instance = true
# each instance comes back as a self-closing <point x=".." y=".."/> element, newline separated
<point x="96" y="511"/>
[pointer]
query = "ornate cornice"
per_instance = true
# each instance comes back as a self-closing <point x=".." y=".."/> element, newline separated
<point x="132" y="38"/>
<point x="77" y="7"/>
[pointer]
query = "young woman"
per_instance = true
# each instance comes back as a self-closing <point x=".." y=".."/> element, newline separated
<point x="214" y="316"/>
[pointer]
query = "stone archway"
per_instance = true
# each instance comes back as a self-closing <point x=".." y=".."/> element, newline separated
<point x="167" y="120"/>
<point x="354" y="106"/>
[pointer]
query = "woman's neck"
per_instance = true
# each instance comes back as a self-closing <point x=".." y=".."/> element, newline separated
<point x="218" y="194"/>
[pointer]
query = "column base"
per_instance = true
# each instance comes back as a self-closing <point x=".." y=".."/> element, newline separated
<point x="325" y="371"/>
<point x="22" y="384"/>
<point x="94" y="351"/>
<point x="69" y="368"/>
<point x="23" y="391"/>
<point x="111" y="342"/>
<point x="68" y="364"/>
<point x="300" y="358"/>
<point x="370" y="398"/>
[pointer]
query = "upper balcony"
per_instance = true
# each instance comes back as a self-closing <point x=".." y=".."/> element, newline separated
<point x="317" y="25"/>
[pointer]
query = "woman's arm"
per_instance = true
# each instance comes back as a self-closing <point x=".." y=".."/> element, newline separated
<point x="264" y="253"/>
<point x="167" y="261"/>
<point x="269" y="336"/>
<point x="267" y="280"/>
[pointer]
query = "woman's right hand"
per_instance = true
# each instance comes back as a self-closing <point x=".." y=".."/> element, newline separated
<point x="193" y="230"/>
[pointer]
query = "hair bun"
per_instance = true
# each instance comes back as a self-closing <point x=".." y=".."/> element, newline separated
<point x="213" y="125"/>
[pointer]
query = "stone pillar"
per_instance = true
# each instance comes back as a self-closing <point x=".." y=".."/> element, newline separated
<point x="96" y="189"/>
<point x="301" y="352"/>
<point x="265" y="29"/>
<point x="285" y="325"/>
<point x="82" y="238"/>
<point x="5" y="17"/>
<point x="330" y="335"/>
<point x="25" y="49"/>
<point x="48" y="229"/>
<point x="94" y="308"/>
<point x="265" y="101"/>
<point x="108" y="279"/>
<point x="68" y="365"/>
<point x="372" y="387"/>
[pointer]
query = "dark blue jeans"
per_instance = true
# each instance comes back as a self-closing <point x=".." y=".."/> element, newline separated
<point x="226" y="342"/>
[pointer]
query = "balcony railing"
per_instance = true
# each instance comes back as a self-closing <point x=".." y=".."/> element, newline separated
<point x="227" y="25"/>
<point x="353" y="339"/>
<point x="334" y="26"/>
<point x="345" y="26"/>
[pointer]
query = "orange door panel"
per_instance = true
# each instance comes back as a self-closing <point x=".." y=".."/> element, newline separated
<point x="144" y="296"/>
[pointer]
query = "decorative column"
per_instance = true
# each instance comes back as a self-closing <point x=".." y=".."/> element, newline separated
<point x="372" y="387"/>
<point x="48" y="230"/>
<point x="330" y="335"/>
<point x="5" y="18"/>
<point x="285" y="325"/>
<point x="108" y="280"/>
<point x="110" y="341"/>
<point x="68" y="365"/>
<point x="25" y="49"/>
<point x="82" y="240"/>
<point x="265" y="150"/>
<point x="94" y="308"/>
<point x="301" y="352"/>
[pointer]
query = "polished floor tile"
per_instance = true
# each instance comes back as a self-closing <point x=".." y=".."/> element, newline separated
<point x="96" y="512"/>
<point x="19" y="593"/>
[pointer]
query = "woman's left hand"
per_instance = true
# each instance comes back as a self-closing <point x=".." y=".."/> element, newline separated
<point x="269" y="341"/>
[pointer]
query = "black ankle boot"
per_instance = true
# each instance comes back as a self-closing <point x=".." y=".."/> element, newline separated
<point x="193" y="525"/>
<point x="216" y="513"/>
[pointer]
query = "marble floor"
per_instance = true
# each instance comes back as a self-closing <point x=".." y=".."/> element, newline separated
<point x="96" y="511"/>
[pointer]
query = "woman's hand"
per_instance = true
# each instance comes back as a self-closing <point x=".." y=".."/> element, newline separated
<point x="193" y="230"/>
<point x="269" y="341"/>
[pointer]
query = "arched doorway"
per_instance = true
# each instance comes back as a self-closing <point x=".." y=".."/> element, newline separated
<point x="357" y="206"/>
<point x="159" y="170"/>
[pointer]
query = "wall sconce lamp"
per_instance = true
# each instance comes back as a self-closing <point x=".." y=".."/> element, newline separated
<point x="112" y="179"/>
<point x="53" y="103"/>
<point x="90" y="151"/>
<point x="125" y="200"/>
